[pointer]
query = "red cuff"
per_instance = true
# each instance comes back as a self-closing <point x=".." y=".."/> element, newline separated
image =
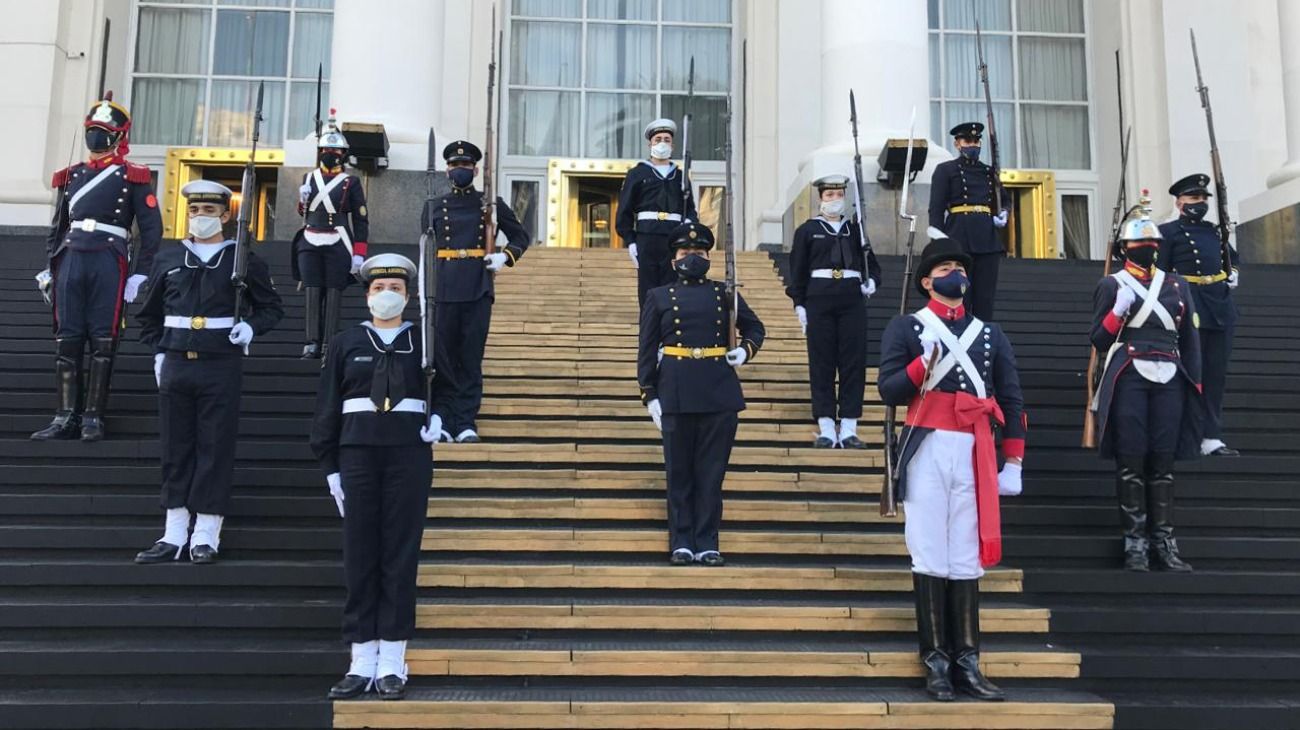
<point x="358" y="248"/>
<point x="916" y="371"/>
<point x="1200" y="389"/>
<point x="1013" y="448"/>
<point x="1112" y="323"/>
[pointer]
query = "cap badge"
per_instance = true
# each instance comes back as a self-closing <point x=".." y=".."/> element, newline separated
<point x="103" y="113"/>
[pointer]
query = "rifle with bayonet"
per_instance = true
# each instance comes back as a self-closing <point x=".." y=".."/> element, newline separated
<point x="247" y="201"/>
<point x="686" y="138"/>
<point x="428" y="275"/>
<point x="857" y="178"/>
<point x="490" y="151"/>
<point x="993" y="134"/>
<point x="1224" y="225"/>
<point x="320" y="77"/>
<point x="730" y="285"/>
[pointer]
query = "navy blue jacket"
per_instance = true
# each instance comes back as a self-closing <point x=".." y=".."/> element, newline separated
<point x="1193" y="248"/>
<point x="124" y="196"/>
<point x="965" y="182"/>
<point x="817" y="245"/>
<point x="644" y="190"/>
<point x="458" y="223"/>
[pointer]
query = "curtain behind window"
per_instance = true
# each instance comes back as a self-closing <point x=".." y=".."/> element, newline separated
<point x="711" y="48"/>
<point x="172" y="41"/>
<point x="1074" y="225"/>
<point x="545" y="54"/>
<point x="615" y="123"/>
<point x="312" y="36"/>
<point x="251" y="43"/>
<point x="167" y="111"/>
<point x="231" y="114"/>
<point x="544" y="123"/>
<point x="697" y="11"/>
<point x="620" y="56"/>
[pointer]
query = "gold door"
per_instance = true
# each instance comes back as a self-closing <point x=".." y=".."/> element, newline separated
<point x="226" y="166"/>
<point x="1032" y="230"/>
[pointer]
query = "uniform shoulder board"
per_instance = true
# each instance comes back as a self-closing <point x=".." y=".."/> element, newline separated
<point x="138" y="173"/>
<point x="60" y="177"/>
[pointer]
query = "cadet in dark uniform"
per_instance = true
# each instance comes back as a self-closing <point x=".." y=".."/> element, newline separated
<point x="466" y="287"/>
<point x="957" y="376"/>
<point x="961" y="205"/>
<point x="833" y="271"/>
<point x="1191" y="247"/>
<point x="188" y="318"/>
<point x="373" y="443"/>
<point x="689" y="384"/>
<point x="651" y="205"/>
<point x="329" y="249"/>
<point x="1148" y="406"/>
<point x="90" y="257"/>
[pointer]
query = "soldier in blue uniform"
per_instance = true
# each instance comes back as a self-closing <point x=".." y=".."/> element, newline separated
<point x="1191" y="247"/>
<point x="466" y="287"/>
<point x="373" y="443"/>
<point x="189" y="319"/>
<point x="331" y="245"/>
<point x="957" y="376"/>
<point x="1148" y="405"/>
<point x="690" y="387"/>
<point x="91" y="271"/>
<point x="961" y="206"/>
<point x="651" y="205"/>
<point x="833" y="271"/>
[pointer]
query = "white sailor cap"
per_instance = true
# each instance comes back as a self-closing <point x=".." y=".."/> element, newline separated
<point x="660" y="125"/>
<point x="207" y="191"/>
<point x="831" y="182"/>
<point x="387" y="266"/>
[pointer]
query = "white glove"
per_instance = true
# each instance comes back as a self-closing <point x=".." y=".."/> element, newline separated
<point x="44" y="282"/>
<point x="656" y="413"/>
<point x="157" y="368"/>
<point x="304" y="193"/>
<point x="133" y="283"/>
<point x="631" y="253"/>
<point x="1124" y="299"/>
<point x="1232" y="279"/>
<point x="495" y="261"/>
<point x="1000" y="220"/>
<point x="868" y="288"/>
<point x="357" y="261"/>
<point x="336" y="489"/>
<point x="929" y="343"/>
<point x="737" y="357"/>
<point x="1009" y="480"/>
<point x="802" y="313"/>
<point x="241" y="334"/>
<point x="432" y="432"/>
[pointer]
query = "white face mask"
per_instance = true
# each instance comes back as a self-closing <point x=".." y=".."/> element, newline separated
<point x="661" y="150"/>
<point x="386" y="304"/>
<point x="834" y="208"/>
<point x="204" y="226"/>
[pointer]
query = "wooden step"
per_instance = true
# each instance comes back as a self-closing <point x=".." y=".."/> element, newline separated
<point x="652" y="455"/>
<point x="601" y="405"/>
<point x="735" y="542"/>
<point x="623" y="508"/>
<point x="523" y="428"/>
<point x="867" y="485"/>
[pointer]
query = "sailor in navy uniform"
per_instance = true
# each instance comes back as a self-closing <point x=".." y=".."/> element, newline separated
<point x="957" y="376"/>
<point x="189" y="319"/>
<point x="373" y="443"/>
<point x="1191" y="247"/>
<point x="833" y="271"/>
<point x="1149" y="403"/>
<point x="466" y="288"/>
<point x="91" y="272"/>
<point x="331" y="245"/>
<point x="961" y="206"/>
<point x="689" y="384"/>
<point x="651" y="205"/>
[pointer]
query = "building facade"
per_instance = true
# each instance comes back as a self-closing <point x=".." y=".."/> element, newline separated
<point x="578" y="80"/>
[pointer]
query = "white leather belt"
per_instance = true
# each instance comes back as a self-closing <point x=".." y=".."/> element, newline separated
<point x="836" y="274"/>
<point x="90" y="225"/>
<point x="365" y="405"/>
<point x="652" y="215"/>
<point x="198" y="322"/>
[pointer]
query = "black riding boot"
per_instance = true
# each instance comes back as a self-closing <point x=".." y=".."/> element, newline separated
<point x="1131" y="487"/>
<point x="932" y="631"/>
<point x="1160" y="501"/>
<point x="333" y="300"/>
<point x="101" y="372"/>
<point x="67" y="385"/>
<point x="312" y="295"/>
<point x="964" y="625"/>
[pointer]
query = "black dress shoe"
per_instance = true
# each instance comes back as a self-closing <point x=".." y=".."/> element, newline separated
<point x="64" y="427"/>
<point x="823" y="443"/>
<point x="470" y="439"/>
<point x="852" y="442"/>
<point x="92" y="428"/>
<point x="203" y="554"/>
<point x="391" y="687"/>
<point x="681" y="557"/>
<point x="1225" y="451"/>
<point x="161" y="552"/>
<point x="711" y="558"/>
<point x="350" y="686"/>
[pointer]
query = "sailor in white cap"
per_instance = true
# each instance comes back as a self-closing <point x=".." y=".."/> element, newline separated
<point x="655" y="200"/>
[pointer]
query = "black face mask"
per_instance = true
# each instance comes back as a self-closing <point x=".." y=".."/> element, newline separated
<point x="461" y="177"/>
<point x="1144" y="256"/>
<point x="331" y="159"/>
<point x="1196" y="211"/>
<point x="100" y="140"/>
<point x="692" y="266"/>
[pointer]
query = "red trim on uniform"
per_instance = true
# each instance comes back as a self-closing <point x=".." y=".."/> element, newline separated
<point x="1200" y="389"/>
<point x="358" y="248"/>
<point x="916" y="371"/>
<point x="1112" y="324"/>
<point x="1013" y="448"/>
<point x="99" y="163"/>
<point x="946" y="312"/>
<point x="61" y="177"/>
<point x="137" y="173"/>
<point x="1137" y="271"/>
<point x="151" y="200"/>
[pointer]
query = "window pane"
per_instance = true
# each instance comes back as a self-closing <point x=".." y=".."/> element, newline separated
<point x="167" y="111"/>
<point x="621" y="9"/>
<point x="230" y="121"/>
<point x="260" y="3"/>
<point x="707" y="124"/>
<point x="302" y="107"/>
<point x="548" y="8"/>
<point x="1004" y="116"/>
<point x="312" y="35"/>
<point x="962" y="77"/>
<point x="1056" y="137"/>
<point x="992" y="14"/>
<point x="698" y="11"/>
<point x="251" y="43"/>
<point x="545" y="54"/>
<point x="544" y="123"/>
<point x="1075" y="227"/>
<point x="177" y="2"/>
<point x="711" y="48"/>
<point x="936" y="66"/>
<point x="523" y="201"/>
<point x="932" y="13"/>
<point x="620" y="56"/>
<point x="172" y="41"/>
<point x="615" y="122"/>
<point x="1050" y="16"/>
<point x="937" y="128"/>
<point x="1053" y="69"/>
<point x="327" y="4"/>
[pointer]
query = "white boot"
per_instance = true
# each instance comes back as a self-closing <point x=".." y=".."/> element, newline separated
<point x="826" y="427"/>
<point x="178" y="527"/>
<point x="365" y="659"/>
<point x="392" y="659"/>
<point x="207" y="531"/>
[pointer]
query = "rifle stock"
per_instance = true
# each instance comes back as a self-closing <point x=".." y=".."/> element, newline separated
<point x="248" y="199"/>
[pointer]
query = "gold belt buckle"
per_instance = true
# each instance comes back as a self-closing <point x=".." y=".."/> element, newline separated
<point x="198" y="323"/>
<point x="88" y="225"/>
<point x="191" y="355"/>
<point x="462" y="253"/>
<point x="663" y="216"/>
<point x="837" y="274"/>
<point x="697" y="353"/>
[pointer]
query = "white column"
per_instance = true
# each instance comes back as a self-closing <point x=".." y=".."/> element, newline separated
<point x="1288" y="16"/>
